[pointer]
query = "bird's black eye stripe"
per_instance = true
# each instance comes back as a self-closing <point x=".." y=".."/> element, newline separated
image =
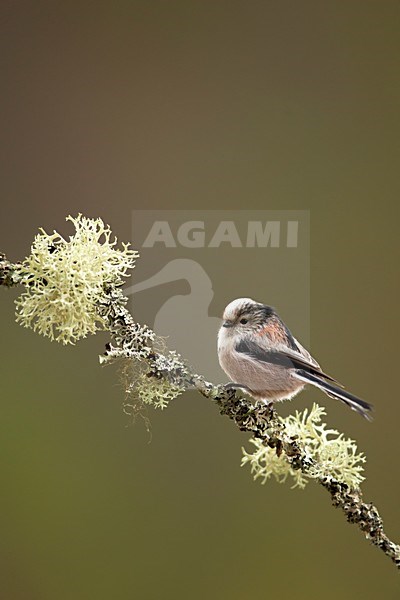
<point x="243" y="321"/>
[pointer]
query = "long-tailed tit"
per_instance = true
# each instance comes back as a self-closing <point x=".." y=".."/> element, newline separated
<point x="259" y="354"/>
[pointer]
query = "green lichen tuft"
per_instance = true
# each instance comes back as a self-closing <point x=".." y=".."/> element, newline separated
<point x="330" y="454"/>
<point x="66" y="279"/>
<point x="156" y="392"/>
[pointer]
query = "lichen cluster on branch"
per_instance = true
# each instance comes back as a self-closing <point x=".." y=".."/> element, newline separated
<point x="65" y="279"/>
<point x="332" y="455"/>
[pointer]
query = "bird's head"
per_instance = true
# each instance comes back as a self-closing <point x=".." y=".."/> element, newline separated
<point x="245" y="315"/>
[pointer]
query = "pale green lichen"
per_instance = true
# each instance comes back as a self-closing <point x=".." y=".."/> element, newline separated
<point x="66" y="279"/>
<point x="150" y="374"/>
<point x="156" y="392"/>
<point x="331" y="455"/>
<point x="264" y="463"/>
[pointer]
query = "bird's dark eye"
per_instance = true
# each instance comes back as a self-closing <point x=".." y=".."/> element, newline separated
<point x="243" y="321"/>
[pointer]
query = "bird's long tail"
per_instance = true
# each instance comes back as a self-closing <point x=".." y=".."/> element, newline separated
<point x="360" y="406"/>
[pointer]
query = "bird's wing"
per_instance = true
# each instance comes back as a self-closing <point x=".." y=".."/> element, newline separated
<point x="305" y="353"/>
<point x="282" y="357"/>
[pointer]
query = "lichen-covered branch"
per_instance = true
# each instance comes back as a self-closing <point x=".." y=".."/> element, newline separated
<point x="138" y="343"/>
<point x="259" y="419"/>
<point x="9" y="272"/>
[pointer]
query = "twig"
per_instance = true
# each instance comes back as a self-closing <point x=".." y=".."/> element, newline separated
<point x="9" y="275"/>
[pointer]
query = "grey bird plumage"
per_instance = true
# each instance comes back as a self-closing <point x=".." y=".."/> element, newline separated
<point x="258" y="352"/>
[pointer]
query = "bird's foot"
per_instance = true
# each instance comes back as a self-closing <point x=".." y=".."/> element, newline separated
<point x="236" y="386"/>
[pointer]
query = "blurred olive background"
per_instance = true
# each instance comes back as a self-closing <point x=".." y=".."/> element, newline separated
<point x="107" y="107"/>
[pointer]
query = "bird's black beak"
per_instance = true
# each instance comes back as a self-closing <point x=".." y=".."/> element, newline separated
<point x="227" y="324"/>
